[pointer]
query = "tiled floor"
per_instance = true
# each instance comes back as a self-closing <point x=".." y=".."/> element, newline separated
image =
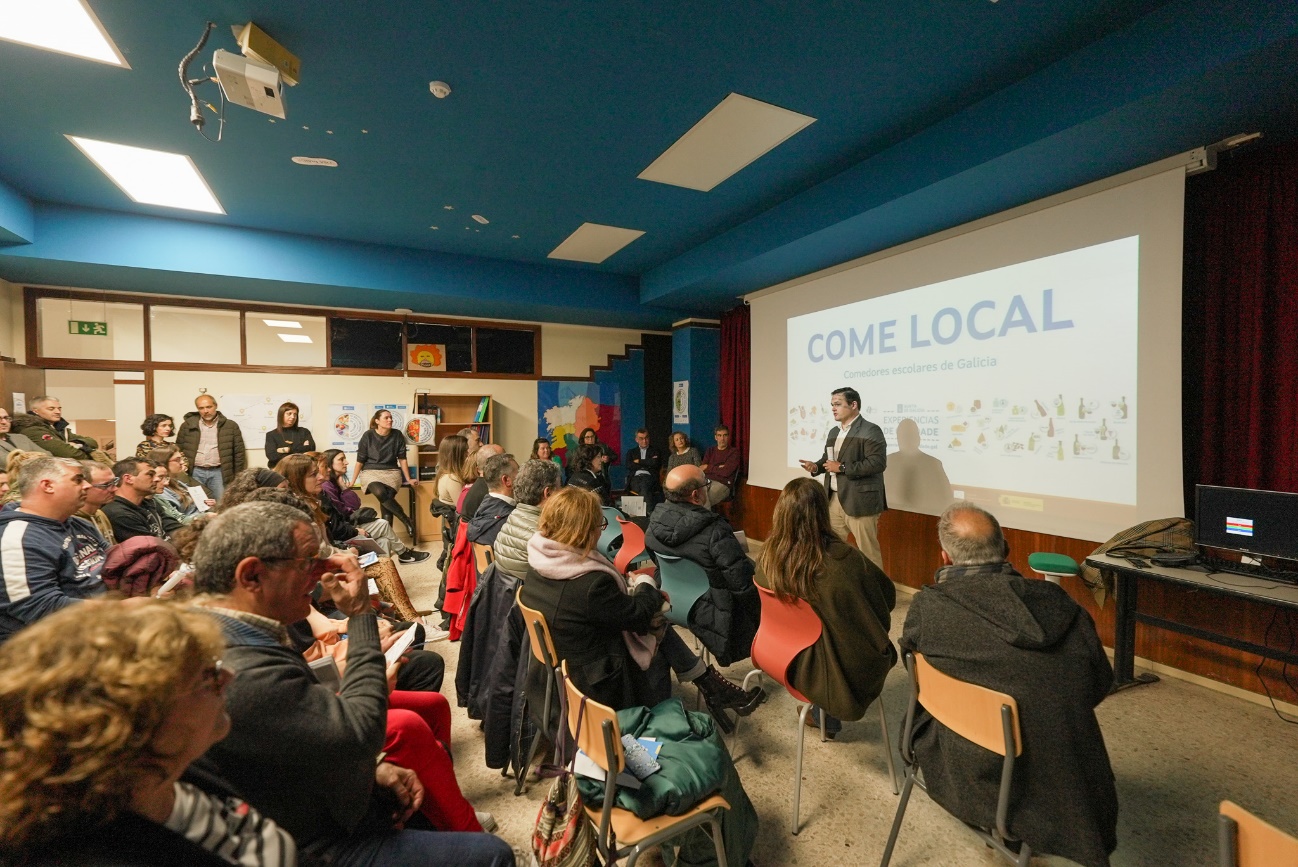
<point x="1177" y="750"/>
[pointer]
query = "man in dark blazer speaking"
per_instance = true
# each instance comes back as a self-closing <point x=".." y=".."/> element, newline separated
<point x="854" y="460"/>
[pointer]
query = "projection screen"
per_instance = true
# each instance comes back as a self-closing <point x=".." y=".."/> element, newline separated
<point x="1029" y="362"/>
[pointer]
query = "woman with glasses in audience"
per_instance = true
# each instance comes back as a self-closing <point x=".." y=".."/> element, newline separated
<point x="156" y="428"/>
<point x="803" y="558"/>
<point x="589" y="438"/>
<point x="287" y="437"/>
<point x="179" y="483"/>
<point x="96" y="745"/>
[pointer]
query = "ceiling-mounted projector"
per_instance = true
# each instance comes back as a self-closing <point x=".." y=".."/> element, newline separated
<point x="249" y="83"/>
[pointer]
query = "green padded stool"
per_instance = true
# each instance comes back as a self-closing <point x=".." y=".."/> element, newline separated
<point x="1052" y="567"/>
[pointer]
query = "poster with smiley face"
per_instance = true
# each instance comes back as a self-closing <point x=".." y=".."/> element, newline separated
<point x="426" y="356"/>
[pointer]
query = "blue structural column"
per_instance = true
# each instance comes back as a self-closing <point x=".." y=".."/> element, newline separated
<point x="696" y="359"/>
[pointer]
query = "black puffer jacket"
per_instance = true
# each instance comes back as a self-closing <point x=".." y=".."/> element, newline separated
<point x="725" y="618"/>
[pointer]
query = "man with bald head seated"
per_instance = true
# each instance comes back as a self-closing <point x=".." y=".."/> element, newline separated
<point x="984" y="623"/>
<point x="725" y="618"/>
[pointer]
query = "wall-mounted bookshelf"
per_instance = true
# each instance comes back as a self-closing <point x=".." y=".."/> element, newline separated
<point x="453" y="412"/>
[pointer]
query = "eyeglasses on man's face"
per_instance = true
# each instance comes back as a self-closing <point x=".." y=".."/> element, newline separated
<point x="114" y="482"/>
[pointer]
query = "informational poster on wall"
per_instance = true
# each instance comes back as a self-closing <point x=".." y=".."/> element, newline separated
<point x="566" y="408"/>
<point x="255" y="414"/>
<point x="400" y="414"/>
<point x="681" y="402"/>
<point x="347" y="423"/>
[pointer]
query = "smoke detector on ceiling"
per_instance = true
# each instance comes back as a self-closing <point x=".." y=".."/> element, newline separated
<point x="440" y="89"/>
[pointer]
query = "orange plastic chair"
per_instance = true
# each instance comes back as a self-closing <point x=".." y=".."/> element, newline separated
<point x="622" y="834"/>
<point x="1247" y="841"/>
<point x="633" y="544"/>
<point x="787" y="629"/>
<point x="983" y="716"/>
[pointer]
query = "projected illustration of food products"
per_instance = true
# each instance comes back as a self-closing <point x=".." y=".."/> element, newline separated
<point x="1021" y="378"/>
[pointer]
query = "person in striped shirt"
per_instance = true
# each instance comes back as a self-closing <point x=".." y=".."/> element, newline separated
<point x="97" y="744"/>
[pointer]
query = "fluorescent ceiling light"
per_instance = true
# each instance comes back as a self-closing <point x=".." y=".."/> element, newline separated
<point x="151" y="177"/>
<point x="282" y="323"/>
<point x="594" y="243"/>
<point x="728" y="138"/>
<point x="295" y="338"/>
<point x="64" y="26"/>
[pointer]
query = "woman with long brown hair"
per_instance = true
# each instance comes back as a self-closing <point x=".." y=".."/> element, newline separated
<point x="843" y="672"/>
<point x="452" y="453"/>
<point x="338" y="499"/>
<point x="381" y="468"/>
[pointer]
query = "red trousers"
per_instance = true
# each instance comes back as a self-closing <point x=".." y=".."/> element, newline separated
<point x="419" y="739"/>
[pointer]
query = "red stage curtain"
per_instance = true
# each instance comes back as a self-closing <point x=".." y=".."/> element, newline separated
<point x="736" y="352"/>
<point x="1240" y="322"/>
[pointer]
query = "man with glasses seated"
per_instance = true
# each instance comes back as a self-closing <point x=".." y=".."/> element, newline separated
<point x="12" y="442"/>
<point x="309" y="756"/>
<point x="38" y="570"/>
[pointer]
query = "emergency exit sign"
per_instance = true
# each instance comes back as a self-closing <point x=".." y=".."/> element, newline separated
<point x="76" y="326"/>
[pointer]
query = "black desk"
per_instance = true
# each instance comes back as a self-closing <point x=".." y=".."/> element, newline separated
<point x="1219" y="583"/>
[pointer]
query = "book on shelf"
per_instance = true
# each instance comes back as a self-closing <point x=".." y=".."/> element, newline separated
<point x="482" y="409"/>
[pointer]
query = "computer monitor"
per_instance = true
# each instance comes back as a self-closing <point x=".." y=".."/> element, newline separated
<point x="1261" y="523"/>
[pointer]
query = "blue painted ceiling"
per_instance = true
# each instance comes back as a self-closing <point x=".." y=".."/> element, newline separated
<point x="929" y="113"/>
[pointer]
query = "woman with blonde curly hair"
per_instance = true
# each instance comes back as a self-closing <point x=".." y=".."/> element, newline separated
<point x="96" y="732"/>
<point x="13" y="463"/>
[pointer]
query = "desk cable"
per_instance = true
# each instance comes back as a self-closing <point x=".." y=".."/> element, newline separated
<point x="1284" y="669"/>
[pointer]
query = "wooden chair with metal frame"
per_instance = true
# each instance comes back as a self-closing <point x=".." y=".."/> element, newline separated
<point x="787" y="629"/>
<point x="988" y="718"/>
<point x="542" y="644"/>
<point x="1244" y="840"/>
<point x="622" y="834"/>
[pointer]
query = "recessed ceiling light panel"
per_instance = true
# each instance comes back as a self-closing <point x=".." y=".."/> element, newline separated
<point x="295" y="338"/>
<point x="151" y="177"/>
<point x="63" y="26"/>
<point x="728" y="138"/>
<point x="593" y="242"/>
<point x="282" y="323"/>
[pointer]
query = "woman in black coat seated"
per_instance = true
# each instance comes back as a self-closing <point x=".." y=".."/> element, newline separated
<point x="287" y="438"/>
<point x="95" y="743"/>
<point x="589" y="438"/>
<point x="609" y="627"/>
<point x="587" y="472"/>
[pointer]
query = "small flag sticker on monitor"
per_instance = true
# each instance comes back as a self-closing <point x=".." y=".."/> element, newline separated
<point x="1239" y="526"/>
